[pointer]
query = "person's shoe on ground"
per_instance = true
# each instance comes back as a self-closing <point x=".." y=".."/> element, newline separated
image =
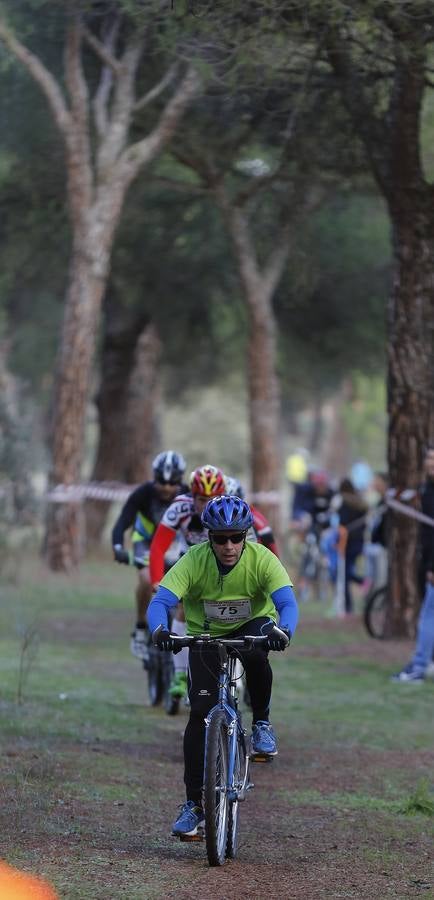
<point x="178" y="685"/>
<point x="189" y="820"/>
<point x="409" y="674"/>
<point x="139" y="643"/>
<point x="263" y="740"/>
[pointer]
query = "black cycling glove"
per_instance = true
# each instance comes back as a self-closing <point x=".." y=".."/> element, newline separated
<point x="162" y="639"/>
<point x="121" y="555"/>
<point x="279" y="638"/>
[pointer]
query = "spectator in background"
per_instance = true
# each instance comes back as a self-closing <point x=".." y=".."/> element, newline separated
<point x="311" y="501"/>
<point x="416" y="670"/>
<point x="351" y="509"/>
<point x="379" y="526"/>
<point x="310" y="521"/>
<point x="376" y="545"/>
<point x="297" y="466"/>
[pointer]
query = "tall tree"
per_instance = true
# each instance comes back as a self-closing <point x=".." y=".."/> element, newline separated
<point x="381" y="58"/>
<point x="99" y="173"/>
<point x="260" y="201"/>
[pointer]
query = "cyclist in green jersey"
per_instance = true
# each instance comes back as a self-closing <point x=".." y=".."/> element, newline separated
<point x="229" y="587"/>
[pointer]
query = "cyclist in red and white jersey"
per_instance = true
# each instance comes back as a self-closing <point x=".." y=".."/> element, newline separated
<point x="182" y="519"/>
<point x="261" y="529"/>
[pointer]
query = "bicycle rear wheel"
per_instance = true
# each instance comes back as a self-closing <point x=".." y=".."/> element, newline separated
<point x="374" y="613"/>
<point x="215" y="789"/>
<point x="155" y="676"/>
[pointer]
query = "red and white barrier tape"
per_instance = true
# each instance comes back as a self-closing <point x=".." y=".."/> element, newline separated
<point x="113" y="490"/>
<point x="98" y="490"/>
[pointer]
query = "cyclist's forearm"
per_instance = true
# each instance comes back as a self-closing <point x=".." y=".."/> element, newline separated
<point x="286" y="605"/>
<point x="159" y="608"/>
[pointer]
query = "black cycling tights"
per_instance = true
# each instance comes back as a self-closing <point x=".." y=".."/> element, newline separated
<point x="203" y="695"/>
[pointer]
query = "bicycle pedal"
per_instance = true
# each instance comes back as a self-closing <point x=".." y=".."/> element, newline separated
<point x="192" y="838"/>
<point x="261" y="758"/>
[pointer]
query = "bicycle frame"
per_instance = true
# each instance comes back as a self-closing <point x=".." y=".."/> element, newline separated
<point x="224" y="781"/>
<point x="228" y="702"/>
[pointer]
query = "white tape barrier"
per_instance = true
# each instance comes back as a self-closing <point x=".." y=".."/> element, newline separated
<point x="108" y="490"/>
<point x="99" y="490"/>
<point x="409" y="511"/>
<point x="113" y="490"/>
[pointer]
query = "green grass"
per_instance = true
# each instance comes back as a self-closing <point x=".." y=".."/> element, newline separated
<point x="90" y="777"/>
<point x="421" y="801"/>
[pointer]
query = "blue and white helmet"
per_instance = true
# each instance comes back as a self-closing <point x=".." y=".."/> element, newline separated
<point x="169" y="467"/>
<point x="227" y="513"/>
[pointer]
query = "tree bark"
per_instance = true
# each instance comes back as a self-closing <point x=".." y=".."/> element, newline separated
<point x="141" y="432"/>
<point x="392" y="142"/>
<point x="263" y="388"/>
<point x="121" y="333"/>
<point x="127" y="404"/>
<point x="410" y="402"/>
<point x="337" y="451"/>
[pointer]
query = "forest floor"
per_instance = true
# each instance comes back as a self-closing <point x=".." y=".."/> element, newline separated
<point x="91" y="776"/>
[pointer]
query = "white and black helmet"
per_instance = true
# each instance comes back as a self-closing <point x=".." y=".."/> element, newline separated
<point x="233" y="487"/>
<point x="169" y="467"/>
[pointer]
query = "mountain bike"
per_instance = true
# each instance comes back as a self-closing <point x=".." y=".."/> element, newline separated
<point x="158" y="666"/>
<point x="374" y="612"/>
<point x="227" y="757"/>
<point x="314" y="573"/>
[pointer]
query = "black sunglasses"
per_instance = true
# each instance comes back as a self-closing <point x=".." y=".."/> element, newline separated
<point x="234" y="538"/>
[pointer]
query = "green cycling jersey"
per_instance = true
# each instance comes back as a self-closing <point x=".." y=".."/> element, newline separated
<point x="220" y="602"/>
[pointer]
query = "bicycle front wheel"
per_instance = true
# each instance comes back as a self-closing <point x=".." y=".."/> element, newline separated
<point x="215" y="789"/>
<point x="233" y="820"/>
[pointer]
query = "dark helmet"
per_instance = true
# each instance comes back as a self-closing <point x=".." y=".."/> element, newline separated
<point x="168" y="467"/>
<point x="227" y="513"/>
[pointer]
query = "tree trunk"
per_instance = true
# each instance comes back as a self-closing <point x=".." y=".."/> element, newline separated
<point x="127" y="409"/>
<point x="393" y="143"/>
<point x="337" y="452"/>
<point x="64" y="540"/>
<point x="410" y="403"/>
<point x="142" y="404"/>
<point x="98" y="178"/>
<point x="117" y="359"/>
<point x="317" y="429"/>
<point x="263" y="392"/>
<point x="258" y="286"/>
<point x="14" y="448"/>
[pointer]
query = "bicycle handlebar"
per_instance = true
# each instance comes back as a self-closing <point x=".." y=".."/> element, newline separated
<point x="248" y="640"/>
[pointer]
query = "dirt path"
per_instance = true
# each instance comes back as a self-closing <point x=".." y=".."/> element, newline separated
<point x="97" y="813"/>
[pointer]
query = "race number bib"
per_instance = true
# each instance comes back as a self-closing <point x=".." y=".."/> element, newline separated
<point x="229" y="611"/>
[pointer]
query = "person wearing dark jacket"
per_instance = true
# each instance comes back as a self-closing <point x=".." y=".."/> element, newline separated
<point x="415" y="671"/>
<point x="142" y="512"/>
<point x="351" y="509"/>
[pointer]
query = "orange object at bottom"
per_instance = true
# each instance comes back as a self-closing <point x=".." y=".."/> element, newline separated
<point x="16" y="885"/>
